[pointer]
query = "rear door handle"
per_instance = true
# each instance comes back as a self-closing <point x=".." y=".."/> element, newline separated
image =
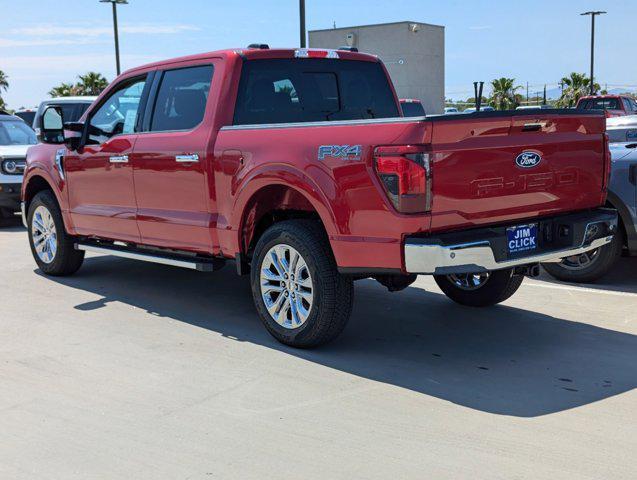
<point x="118" y="159"/>
<point x="187" y="158"/>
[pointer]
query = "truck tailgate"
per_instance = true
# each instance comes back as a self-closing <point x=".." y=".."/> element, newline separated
<point x="502" y="168"/>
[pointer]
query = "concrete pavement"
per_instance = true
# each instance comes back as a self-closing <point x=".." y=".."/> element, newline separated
<point x="131" y="370"/>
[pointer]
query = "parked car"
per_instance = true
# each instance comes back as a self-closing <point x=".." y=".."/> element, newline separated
<point x="412" y="107"/>
<point x="26" y="115"/>
<point x="15" y="139"/>
<point x="592" y="265"/>
<point x="622" y="129"/>
<point x="239" y="155"/>
<point x="486" y="108"/>
<point x="611" y="105"/>
<point x="533" y="107"/>
<point x="450" y="110"/>
<point x="72" y="107"/>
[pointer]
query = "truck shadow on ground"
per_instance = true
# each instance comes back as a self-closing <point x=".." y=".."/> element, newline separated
<point x="622" y="278"/>
<point x="502" y="360"/>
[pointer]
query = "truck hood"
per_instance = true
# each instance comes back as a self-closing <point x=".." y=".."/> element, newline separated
<point x="14" y="150"/>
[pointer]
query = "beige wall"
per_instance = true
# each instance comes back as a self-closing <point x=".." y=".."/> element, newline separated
<point x="415" y="60"/>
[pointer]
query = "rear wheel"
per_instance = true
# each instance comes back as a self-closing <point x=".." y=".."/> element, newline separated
<point x="52" y="248"/>
<point x="588" y="266"/>
<point x="301" y="298"/>
<point x="480" y="289"/>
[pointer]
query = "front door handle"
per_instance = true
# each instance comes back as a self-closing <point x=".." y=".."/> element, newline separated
<point x="118" y="159"/>
<point x="187" y="158"/>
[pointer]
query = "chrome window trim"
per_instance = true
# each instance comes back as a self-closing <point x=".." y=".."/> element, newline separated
<point x="323" y="123"/>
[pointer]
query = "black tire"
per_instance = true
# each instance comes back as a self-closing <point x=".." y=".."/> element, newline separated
<point x="599" y="265"/>
<point x="333" y="292"/>
<point x="499" y="286"/>
<point x="67" y="259"/>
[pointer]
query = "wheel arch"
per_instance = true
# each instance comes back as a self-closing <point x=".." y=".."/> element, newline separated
<point x="625" y="221"/>
<point x="274" y="203"/>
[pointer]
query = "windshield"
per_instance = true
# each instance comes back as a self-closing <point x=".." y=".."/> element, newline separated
<point x="14" y="132"/>
<point x="413" y="109"/>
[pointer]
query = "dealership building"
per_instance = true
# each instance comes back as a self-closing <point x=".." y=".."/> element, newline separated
<point x="413" y="52"/>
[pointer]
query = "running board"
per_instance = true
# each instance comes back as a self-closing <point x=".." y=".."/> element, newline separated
<point x="175" y="260"/>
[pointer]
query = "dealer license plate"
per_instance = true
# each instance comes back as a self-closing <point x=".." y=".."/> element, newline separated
<point x="522" y="238"/>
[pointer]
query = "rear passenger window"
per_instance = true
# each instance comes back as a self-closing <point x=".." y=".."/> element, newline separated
<point x="181" y="99"/>
<point x="310" y="90"/>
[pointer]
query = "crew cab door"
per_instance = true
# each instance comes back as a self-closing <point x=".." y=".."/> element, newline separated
<point x="170" y="161"/>
<point x="100" y="175"/>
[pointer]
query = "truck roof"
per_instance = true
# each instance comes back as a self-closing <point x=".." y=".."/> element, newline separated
<point x="264" y="53"/>
<point x="608" y="95"/>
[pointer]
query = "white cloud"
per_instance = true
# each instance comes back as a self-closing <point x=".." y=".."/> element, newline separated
<point x="96" y="31"/>
<point x="481" y="27"/>
<point x="40" y="42"/>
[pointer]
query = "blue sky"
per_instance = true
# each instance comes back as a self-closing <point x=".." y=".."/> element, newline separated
<point x="45" y="42"/>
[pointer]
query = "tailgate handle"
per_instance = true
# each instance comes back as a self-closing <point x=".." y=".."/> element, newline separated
<point x="532" y="127"/>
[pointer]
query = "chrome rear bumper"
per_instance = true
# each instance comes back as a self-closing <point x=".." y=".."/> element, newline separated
<point x="444" y="256"/>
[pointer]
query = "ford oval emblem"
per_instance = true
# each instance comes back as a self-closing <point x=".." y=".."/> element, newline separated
<point x="528" y="159"/>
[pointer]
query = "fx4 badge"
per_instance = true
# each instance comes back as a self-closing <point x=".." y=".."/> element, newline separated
<point x="344" y="152"/>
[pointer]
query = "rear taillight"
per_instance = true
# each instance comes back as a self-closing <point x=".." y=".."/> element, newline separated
<point x="607" y="166"/>
<point x="405" y="174"/>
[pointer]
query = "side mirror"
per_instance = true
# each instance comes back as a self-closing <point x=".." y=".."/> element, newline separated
<point x="52" y="130"/>
<point x="53" y="127"/>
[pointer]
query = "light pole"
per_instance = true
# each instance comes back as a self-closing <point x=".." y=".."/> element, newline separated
<point x="115" y="3"/>
<point x="302" y="22"/>
<point x="593" y="14"/>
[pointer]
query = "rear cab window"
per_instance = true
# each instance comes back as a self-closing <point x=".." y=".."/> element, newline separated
<point x="275" y="91"/>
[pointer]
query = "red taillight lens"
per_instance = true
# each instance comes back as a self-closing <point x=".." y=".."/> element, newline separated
<point x="405" y="173"/>
<point x="607" y="166"/>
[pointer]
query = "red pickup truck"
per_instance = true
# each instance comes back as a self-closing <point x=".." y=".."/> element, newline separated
<point x="298" y="166"/>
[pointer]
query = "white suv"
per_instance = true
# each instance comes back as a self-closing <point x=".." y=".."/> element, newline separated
<point x="15" y="139"/>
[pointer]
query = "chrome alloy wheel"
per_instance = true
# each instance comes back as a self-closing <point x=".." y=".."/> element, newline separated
<point x="469" y="281"/>
<point x="581" y="261"/>
<point x="44" y="235"/>
<point x="286" y="286"/>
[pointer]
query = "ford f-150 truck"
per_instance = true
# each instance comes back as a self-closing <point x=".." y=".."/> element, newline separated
<point x="297" y="165"/>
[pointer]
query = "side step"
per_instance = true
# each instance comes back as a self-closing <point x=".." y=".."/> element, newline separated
<point x="185" y="261"/>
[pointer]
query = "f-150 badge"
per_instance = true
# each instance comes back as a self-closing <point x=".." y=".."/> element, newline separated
<point x="344" y="152"/>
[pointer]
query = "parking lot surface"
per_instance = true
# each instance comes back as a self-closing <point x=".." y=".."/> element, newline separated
<point x="133" y="370"/>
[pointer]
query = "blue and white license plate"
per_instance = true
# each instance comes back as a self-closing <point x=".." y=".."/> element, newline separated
<point x="522" y="238"/>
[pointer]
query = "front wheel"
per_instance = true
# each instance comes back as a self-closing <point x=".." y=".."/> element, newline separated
<point x="480" y="289"/>
<point x="301" y="298"/>
<point x="53" y="249"/>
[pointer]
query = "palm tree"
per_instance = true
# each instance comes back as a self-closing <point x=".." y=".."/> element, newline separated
<point x="504" y="96"/>
<point x="92" y="83"/>
<point x="64" y="90"/>
<point x="576" y="85"/>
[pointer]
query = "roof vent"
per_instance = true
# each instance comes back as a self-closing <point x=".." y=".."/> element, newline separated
<point x="259" y="46"/>
<point x="348" y="49"/>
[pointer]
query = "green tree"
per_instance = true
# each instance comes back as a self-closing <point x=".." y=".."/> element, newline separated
<point x="64" y="90"/>
<point x="4" y="86"/>
<point x="576" y="85"/>
<point x="91" y="83"/>
<point x="503" y="95"/>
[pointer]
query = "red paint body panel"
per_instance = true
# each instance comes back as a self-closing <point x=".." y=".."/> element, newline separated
<point x="213" y="206"/>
